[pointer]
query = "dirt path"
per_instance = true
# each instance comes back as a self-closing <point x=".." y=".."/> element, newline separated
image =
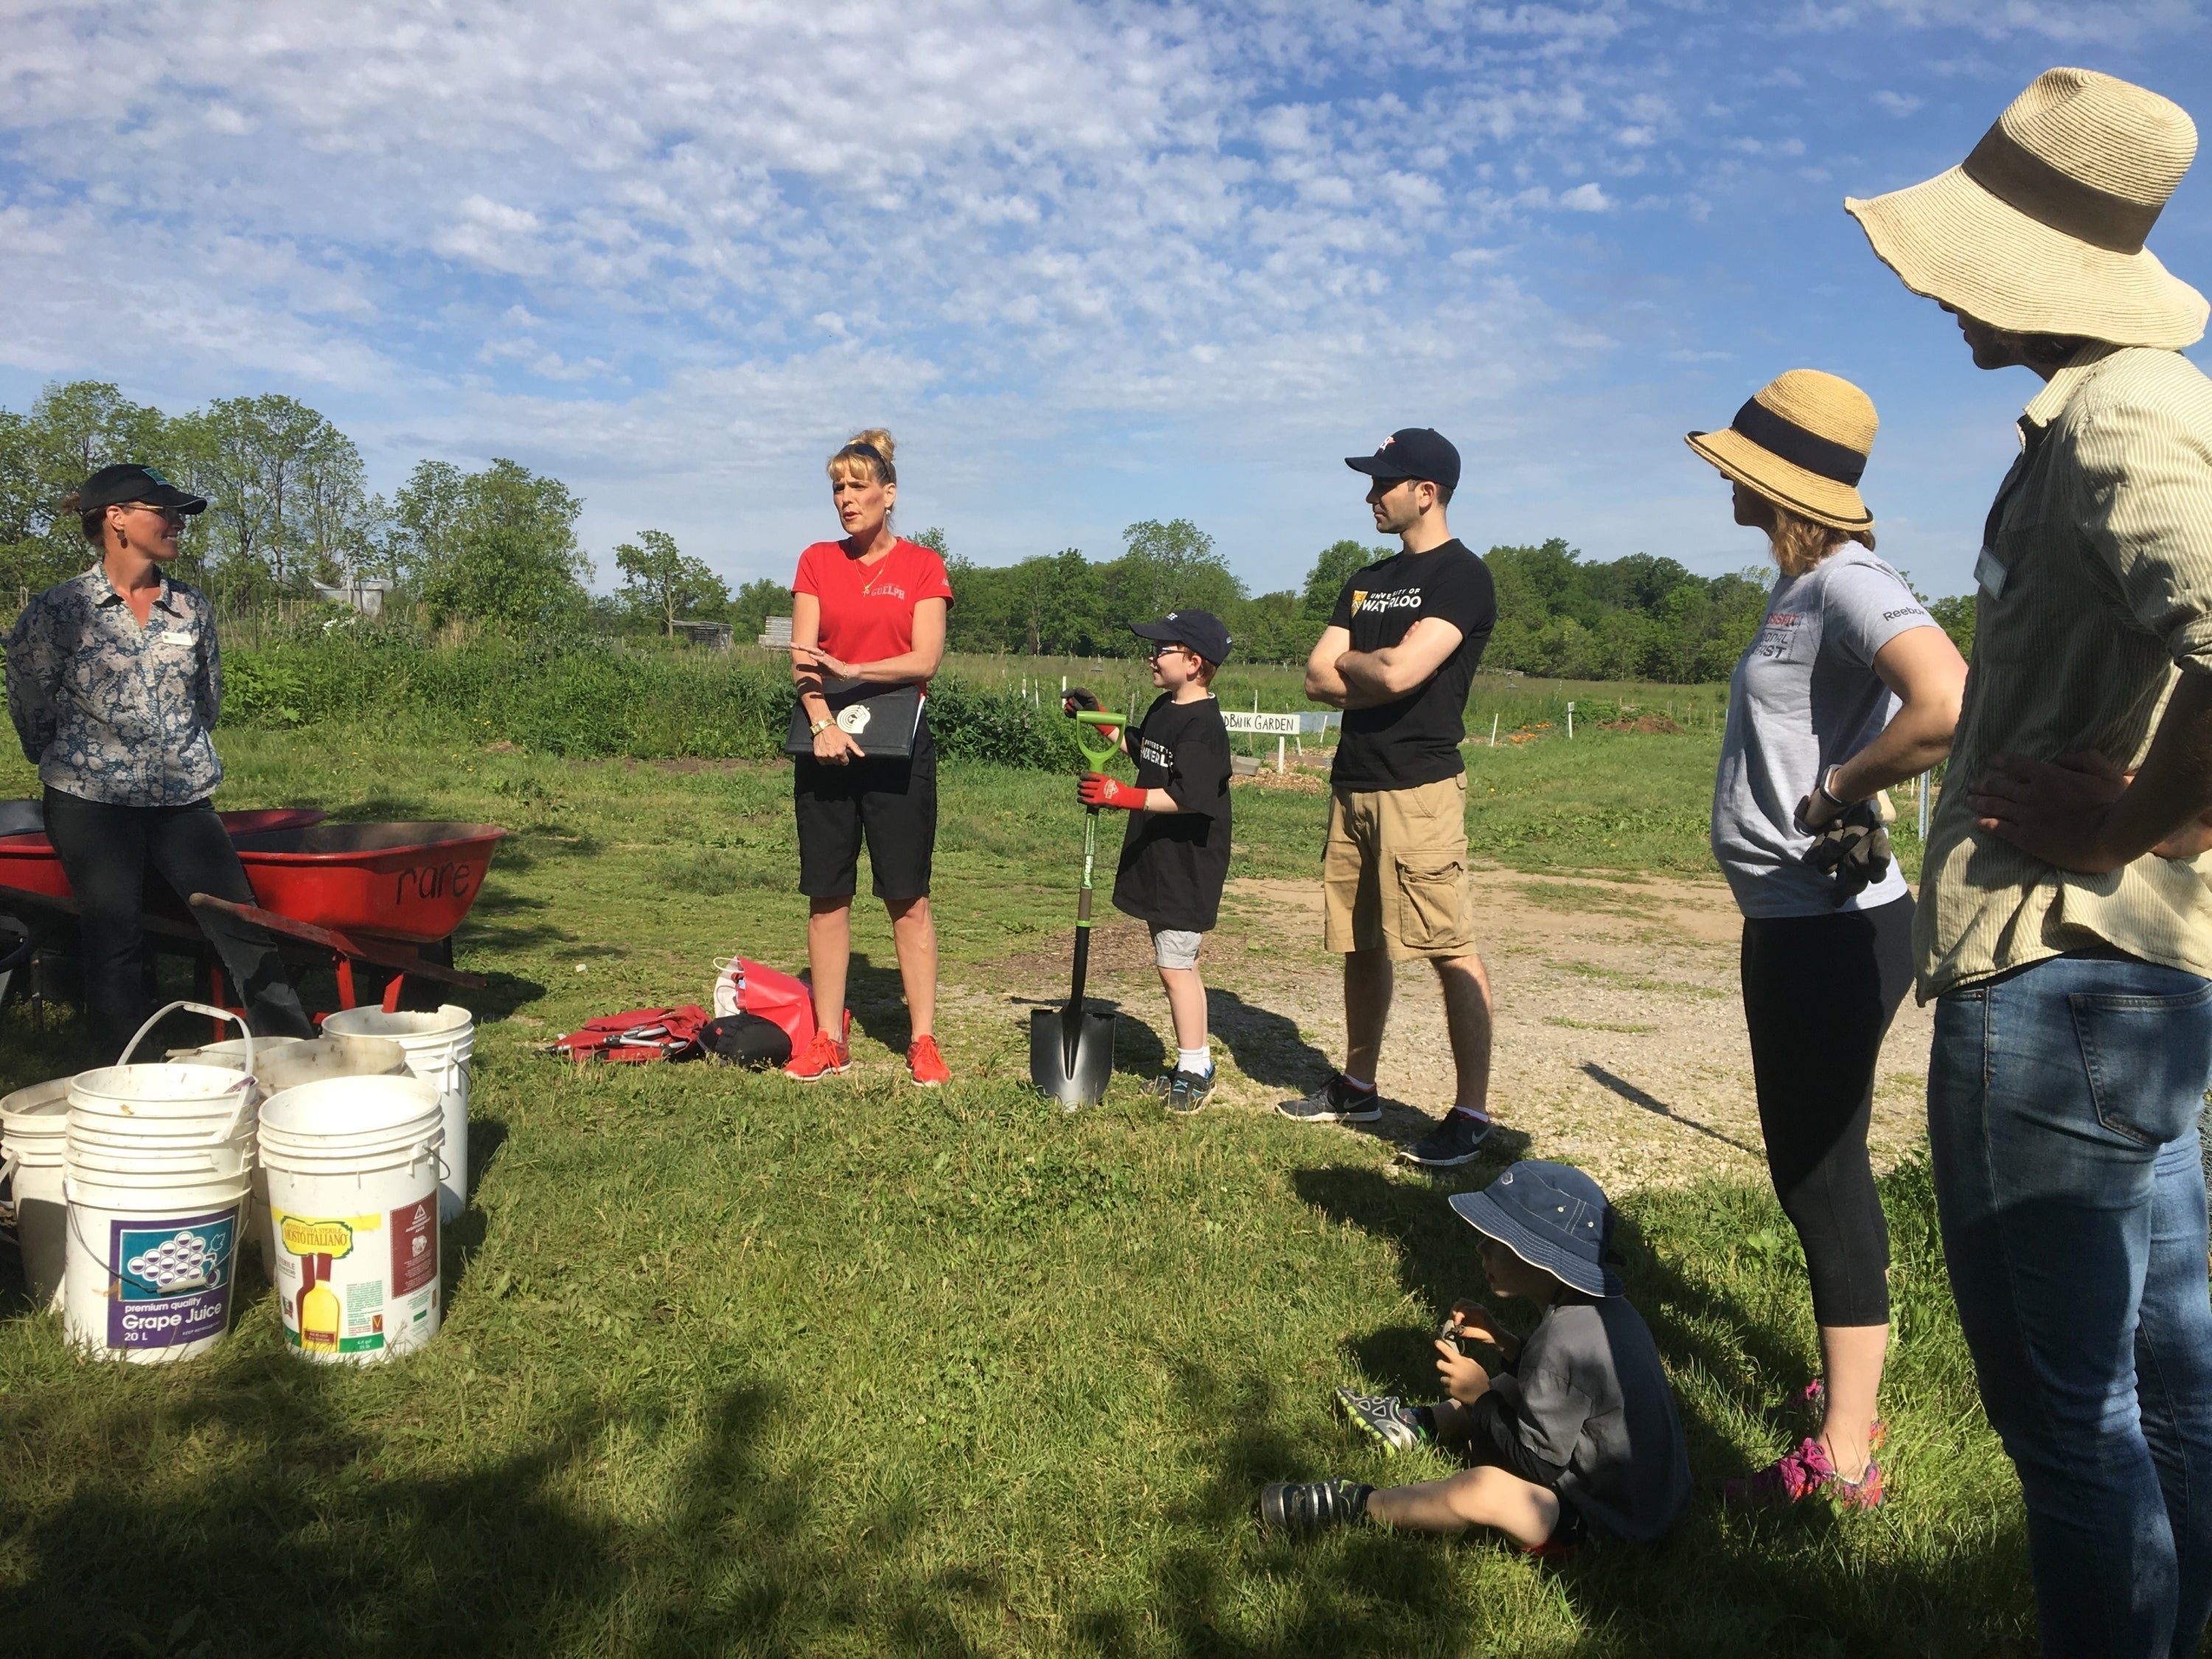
<point x="1621" y="1042"/>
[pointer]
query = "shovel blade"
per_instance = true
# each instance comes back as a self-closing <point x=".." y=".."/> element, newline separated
<point x="1071" y="1054"/>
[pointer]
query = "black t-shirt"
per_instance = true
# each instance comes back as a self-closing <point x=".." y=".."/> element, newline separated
<point x="1173" y="864"/>
<point x="1414" y="740"/>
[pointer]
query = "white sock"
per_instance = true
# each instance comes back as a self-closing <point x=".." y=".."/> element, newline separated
<point x="1199" y="1062"/>
<point x="1361" y="1083"/>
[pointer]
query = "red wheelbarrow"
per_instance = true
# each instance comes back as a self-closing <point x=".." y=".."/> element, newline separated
<point x="390" y="895"/>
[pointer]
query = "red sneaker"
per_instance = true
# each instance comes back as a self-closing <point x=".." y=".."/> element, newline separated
<point x="925" y="1065"/>
<point x="821" y="1058"/>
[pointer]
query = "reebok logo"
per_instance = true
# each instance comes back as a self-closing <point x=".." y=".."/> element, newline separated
<point x="1403" y="598"/>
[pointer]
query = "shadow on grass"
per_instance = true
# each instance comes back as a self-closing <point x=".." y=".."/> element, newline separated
<point x="1267" y="1045"/>
<point x="877" y="997"/>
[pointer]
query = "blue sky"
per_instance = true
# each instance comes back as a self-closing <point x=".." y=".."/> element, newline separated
<point x="1091" y="263"/>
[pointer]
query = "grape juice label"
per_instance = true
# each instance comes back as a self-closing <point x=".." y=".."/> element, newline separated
<point x="170" y="1280"/>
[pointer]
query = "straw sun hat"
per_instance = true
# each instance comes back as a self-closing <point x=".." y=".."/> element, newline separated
<point x="2040" y="230"/>
<point x="1802" y="440"/>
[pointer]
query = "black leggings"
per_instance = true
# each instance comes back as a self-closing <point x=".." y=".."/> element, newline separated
<point x="1819" y="993"/>
<point x="106" y="849"/>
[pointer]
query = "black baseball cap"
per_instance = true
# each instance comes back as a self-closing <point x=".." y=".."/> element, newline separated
<point x="112" y="485"/>
<point x="1413" y="452"/>
<point x="1199" y="631"/>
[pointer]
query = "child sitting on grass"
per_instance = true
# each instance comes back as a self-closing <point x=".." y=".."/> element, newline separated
<point x="1175" y="856"/>
<point x="1576" y="1430"/>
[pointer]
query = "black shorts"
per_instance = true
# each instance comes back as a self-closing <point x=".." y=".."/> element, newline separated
<point x="889" y="804"/>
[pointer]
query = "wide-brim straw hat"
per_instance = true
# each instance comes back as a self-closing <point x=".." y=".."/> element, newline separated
<point x="2040" y="230"/>
<point x="1802" y="441"/>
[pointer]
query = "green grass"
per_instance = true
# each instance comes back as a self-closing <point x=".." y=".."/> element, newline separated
<point x="734" y="1365"/>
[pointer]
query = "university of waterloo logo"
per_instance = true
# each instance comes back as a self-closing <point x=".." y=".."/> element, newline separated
<point x="1400" y="598"/>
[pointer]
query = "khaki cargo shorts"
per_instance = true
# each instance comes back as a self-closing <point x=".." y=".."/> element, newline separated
<point x="1394" y="872"/>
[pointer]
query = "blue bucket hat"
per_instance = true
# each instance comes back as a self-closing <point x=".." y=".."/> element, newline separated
<point x="1551" y="1216"/>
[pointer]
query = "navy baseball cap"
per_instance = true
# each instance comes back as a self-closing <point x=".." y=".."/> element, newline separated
<point x="1551" y="1216"/>
<point x="114" y="485"/>
<point x="1413" y="452"/>
<point x="1202" y="630"/>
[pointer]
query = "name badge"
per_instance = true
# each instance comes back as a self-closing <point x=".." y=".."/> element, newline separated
<point x="1989" y="573"/>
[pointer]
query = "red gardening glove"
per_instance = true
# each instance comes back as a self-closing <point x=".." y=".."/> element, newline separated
<point x="1079" y="698"/>
<point x="1097" y="789"/>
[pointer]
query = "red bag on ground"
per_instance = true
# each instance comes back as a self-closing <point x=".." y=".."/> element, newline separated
<point x="637" y="1035"/>
<point x="745" y="986"/>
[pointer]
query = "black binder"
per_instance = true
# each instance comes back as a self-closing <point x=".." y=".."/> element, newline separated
<point x="882" y="718"/>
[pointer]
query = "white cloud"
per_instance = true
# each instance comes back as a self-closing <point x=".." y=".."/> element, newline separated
<point x="1896" y="103"/>
<point x="704" y="238"/>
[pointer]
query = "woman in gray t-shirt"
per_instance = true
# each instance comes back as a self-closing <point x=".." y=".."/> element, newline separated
<point x="1848" y="687"/>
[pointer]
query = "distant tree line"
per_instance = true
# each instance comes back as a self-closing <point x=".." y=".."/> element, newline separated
<point x="289" y="508"/>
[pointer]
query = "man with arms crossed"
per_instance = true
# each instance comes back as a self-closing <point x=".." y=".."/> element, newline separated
<point x="1397" y="657"/>
<point x="2065" y="919"/>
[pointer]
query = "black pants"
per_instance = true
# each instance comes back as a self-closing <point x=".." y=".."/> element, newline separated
<point x="1819" y="993"/>
<point x="105" y="850"/>
<point x="892" y="803"/>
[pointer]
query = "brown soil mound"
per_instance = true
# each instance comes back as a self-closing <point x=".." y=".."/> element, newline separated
<point x="1652" y="725"/>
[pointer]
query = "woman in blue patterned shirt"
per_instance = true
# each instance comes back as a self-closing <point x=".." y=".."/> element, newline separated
<point x="114" y="683"/>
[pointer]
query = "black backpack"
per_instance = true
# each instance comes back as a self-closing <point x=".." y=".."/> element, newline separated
<point x="746" y="1040"/>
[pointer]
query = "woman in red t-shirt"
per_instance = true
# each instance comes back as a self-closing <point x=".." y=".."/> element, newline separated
<point x="869" y="607"/>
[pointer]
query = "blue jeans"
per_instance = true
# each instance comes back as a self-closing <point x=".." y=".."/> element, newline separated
<point x="2062" y="1108"/>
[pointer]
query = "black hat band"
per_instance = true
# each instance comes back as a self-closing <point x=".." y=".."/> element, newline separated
<point x="2025" y="182"/>
<point x="1779" y="436"/>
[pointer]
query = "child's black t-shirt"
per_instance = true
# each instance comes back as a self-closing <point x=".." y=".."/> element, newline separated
<point x="1414" y="740"/>
<point x="1173" y="864"/>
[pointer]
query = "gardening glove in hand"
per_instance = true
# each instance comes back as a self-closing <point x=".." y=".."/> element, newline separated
<point x="1087" y="701"/>
<point x="1097" y="789"/>
<point x="1853" y="848"/>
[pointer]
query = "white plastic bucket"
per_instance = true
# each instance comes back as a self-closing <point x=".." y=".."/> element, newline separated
<point x="150" y="1256"/>
<point x="438" y="1049"/>
<point x="352" y="1166"/>
<point x="155" y="1161"/>
<point x="33" y="1131"/>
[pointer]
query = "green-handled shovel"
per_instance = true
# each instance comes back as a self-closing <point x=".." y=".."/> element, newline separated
<point x="1071" y="1049"/>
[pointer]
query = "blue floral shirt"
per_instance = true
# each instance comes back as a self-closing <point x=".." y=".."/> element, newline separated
<point x="109" y="711"/>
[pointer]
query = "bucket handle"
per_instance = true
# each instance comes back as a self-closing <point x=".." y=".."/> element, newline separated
<point x="9" y="1163"/>
<point x="239" y="1020"/>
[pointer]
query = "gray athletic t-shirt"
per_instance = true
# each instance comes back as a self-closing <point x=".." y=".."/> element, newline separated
<point x="1804" y="698"/>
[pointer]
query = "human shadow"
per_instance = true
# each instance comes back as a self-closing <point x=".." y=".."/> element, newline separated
<point x="296" y="1539"/>
<point x="877" y="996"/>
<point x="1267" y="1047"/>
<point x="1651" y="1103"/>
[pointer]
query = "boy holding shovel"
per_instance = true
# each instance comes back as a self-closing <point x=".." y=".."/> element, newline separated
<point x="1175" y="856"/>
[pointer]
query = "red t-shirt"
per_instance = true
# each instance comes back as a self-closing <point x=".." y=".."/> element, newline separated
<point x="867" y="611"/>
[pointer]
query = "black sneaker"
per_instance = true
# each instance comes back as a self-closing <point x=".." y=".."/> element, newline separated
<point x="1335" y="1102"/>
<point x="1187" y="1090"/>
<point x="1451" y="1143"/>
<point x="1384" y="1418"/>
<point x="1284" y="1507"/>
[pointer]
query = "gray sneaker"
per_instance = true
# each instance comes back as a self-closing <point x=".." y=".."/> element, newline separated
<point x="1382" y="1417"/>
<point x="1451" y="1143"/>
<point x="1335" y="1102"/>
<point x="1188" y="1090"/>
